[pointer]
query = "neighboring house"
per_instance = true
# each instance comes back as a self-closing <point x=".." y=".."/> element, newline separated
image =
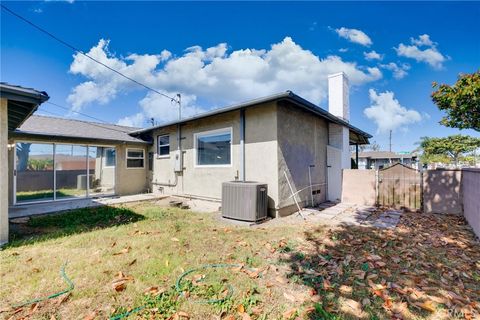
<point x="383" y="159"/>
<point x="273" y="140"/>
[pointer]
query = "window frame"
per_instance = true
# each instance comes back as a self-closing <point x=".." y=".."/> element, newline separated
<point x="212" y="133"/>
<point x="134" y="158"/>
<point x="159" y="156"/>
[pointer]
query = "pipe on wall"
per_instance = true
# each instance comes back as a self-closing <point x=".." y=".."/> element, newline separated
<point x="242" y="144"/>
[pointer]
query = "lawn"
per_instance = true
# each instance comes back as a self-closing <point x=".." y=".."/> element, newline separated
<point x="122" y="258"/>
<point x="48" y="194"/>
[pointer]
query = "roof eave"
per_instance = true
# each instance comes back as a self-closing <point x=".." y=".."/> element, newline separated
<point x="288" y="95"/>
<point x="35" y="135"/>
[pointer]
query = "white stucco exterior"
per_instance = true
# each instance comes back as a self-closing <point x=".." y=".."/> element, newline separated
<point x="3" y="171"/>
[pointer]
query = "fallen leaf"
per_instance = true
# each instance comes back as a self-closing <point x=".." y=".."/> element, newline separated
<point x="427" y="305"/>
<point x="123" y="251"/>
<point x="63" y="298"/>
<point x="174" y="239"/>
<point x="289" y="313"/>
<point x="33" y="308"/>
<point x="91" y="316"/>
<point x="132" y="262"/>
<point x="183" y="314"/>
<point x="240" y="308"/>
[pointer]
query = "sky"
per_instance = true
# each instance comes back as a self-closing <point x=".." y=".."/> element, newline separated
<point x="219" y="53"/>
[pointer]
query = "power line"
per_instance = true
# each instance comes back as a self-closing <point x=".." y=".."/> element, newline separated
<point x="83" y="53"/>
<point x="77" y="112"/>
<point x="99" y="125"/>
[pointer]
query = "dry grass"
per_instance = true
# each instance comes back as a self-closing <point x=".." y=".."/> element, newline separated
<point x="306" y="271"/>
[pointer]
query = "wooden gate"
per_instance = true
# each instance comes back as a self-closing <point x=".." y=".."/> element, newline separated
<point x="400" y="187"/>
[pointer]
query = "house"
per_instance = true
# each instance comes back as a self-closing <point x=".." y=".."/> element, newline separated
<point x="383" y="159"/>
<point x="279" y="139"/>
<point x="16" y="105"/>
<point x="273" y="139"/>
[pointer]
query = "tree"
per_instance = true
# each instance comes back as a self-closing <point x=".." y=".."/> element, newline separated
<point x="452" y="147"/>
<point x="461" y="102"/>
<point x="23" y="152"/>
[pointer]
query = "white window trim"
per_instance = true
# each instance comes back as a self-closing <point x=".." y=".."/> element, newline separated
<point x="209" y="133"/>
<point x="127" y="158"/>
<point x="158" y="146"/>
<point x="105" y="157"/>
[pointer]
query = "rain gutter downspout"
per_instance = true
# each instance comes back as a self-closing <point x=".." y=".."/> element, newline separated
<point x="242" y="144"/>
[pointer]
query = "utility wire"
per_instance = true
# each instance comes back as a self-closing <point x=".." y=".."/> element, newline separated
<point x="83" y="53"/>
<point x="99" y="125"/>
<point x="77" y="112"/>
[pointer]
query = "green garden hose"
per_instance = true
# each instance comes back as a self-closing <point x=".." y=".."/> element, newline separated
<point x="208" y="266"/>
<point x="71" y="286"/>
<point x="179" y="290"/>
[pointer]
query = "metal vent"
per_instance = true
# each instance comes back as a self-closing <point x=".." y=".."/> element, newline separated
<point x="244" y="200"/>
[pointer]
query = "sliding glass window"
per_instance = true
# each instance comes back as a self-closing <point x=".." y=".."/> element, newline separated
<point x="71" y="171"/>
<point x="34" y="172"/>
<point x="61" y="171"/>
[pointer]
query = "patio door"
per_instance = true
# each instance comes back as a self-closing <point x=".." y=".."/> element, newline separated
<point x="34" y="172"/>
<point x="51" y="171"/>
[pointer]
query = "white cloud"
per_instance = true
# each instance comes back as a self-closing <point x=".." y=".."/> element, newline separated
<point x="209" y="77"/>
<point x="372" y="55"/>
<point x="398" y="71"/>
<point x="136" y="120"/>
<point x="343" y="50"/>
<point x="429" y="55"/>
<point x="423" y="40"/>
<point x="388" y="114"/>
<point x="354" y="35"/>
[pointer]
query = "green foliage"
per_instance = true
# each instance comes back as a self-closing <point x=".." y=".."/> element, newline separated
<point x="461" y="102"/>
<point x="452" y="147"/>
<point x="162" y="306"/>
<point x="40" y="164"/>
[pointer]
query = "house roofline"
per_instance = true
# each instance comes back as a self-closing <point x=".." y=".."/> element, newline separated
<point x="288" y="96"/>
<point x="43" y="136"/>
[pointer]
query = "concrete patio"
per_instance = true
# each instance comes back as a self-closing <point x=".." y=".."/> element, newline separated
<point x="31" y="209"/>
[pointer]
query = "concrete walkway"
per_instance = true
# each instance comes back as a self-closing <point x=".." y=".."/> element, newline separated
<point x="349" y="214"/>
<point x="25" y="210"/>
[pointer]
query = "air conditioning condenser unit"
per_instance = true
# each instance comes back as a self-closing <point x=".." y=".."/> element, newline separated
<point x="245" y="200"/>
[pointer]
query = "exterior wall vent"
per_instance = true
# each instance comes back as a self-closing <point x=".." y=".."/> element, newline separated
<point x="244" y="200"/>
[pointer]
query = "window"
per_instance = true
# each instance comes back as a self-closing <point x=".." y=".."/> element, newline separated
<point x="213" y="148"/>
<point x="135" y="158"/>
<point x="163" y="145"/>
<point x="109" y="154"/>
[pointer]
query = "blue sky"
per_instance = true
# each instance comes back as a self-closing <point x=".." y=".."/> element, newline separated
<point x="391" y="51"/>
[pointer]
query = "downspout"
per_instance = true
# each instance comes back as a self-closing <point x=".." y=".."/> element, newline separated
<point x="242" y="144"/>
<point x="356" y="154"/>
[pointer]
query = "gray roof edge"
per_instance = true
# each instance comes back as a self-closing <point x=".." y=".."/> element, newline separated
<point x="283" y="95"/>
<point x="19" y="133"/>
<point x="213" y="112"/>
<point x="13" y="91"/>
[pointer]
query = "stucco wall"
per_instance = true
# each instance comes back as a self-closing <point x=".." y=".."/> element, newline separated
<point x="359" y="187"/>
<point x="442" y="191"/>
<point x="3" y="171"/>
<point x="260" y="155"/>
<point x="130" y="180"/>
<point x="302" y="141"/>
<point x="471" y="198"/>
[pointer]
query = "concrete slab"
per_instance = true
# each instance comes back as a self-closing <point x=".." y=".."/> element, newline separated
<point x="31" y="209"/>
